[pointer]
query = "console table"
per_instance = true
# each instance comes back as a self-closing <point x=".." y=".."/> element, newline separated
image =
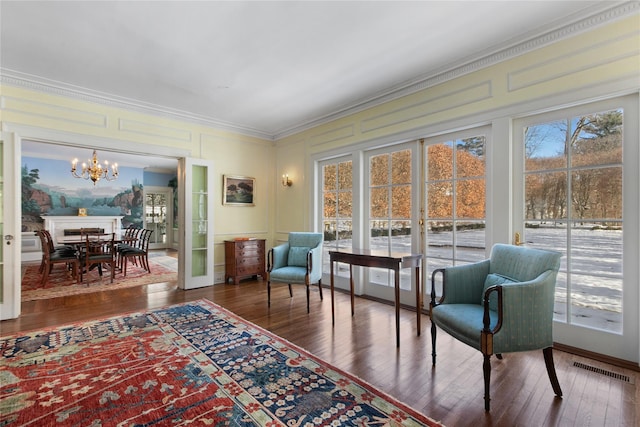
<point x="380" y="259"/>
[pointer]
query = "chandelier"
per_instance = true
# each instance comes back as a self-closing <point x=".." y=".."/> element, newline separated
<point x="95" y="171"/>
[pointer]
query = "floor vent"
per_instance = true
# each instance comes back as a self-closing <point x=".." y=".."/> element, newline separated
<point x="614" y="375"/>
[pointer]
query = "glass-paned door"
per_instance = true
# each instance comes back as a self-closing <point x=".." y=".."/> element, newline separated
<point x="390" y="216"/>
<point x="337" y="211"/>
<point x="455" y="186"/>
<point x="158" y="209"/>
<point x="10" y="244"/>
<point x="579" y="170"/>
<point x="195" y="253"/>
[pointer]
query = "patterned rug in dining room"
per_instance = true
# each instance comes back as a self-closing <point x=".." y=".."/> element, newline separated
<point x="60" y="282"/>
<point x="188" y="364"/>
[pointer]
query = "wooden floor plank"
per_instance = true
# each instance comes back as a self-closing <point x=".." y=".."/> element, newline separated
<point x="364" y="345"/>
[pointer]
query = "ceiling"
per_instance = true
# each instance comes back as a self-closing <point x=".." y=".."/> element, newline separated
<point x="261" y="68"/>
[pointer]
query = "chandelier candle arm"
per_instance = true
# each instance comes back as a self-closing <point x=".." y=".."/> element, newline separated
<point x="96" y="171"/>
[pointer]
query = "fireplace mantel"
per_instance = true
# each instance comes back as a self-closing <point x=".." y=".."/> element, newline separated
<point x="57" y="224"/>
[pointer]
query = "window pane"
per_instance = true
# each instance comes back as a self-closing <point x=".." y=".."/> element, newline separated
<point x="330" y="231"/>
<point x="329" y="205"/>
<point x="470" y="240"/>
<point x="401" y="167"/>
<point x="440" y="240"/>
<point x="546" y="196"/>
<point x="345" y="229"/>
<point x="401" y="202"/>
<point x="379" y="170"/>
<point x="379" y="228"/>
<point x="470" y="158"/>
<point x="345" y="204"/>
<point x="337" y="212"/>
<point x="598" y="139"/>
<point x="379" y="203"/>
<point x="545" y="146"/>
<point x="597" y="193"/>
<point x="439" y="162"/>
<point x="401" y="236"/>
<point x="440" y="200"/>
<point x="329" y="173"/>
<point x="345" y="175"/>
<point x="470" y="199"/>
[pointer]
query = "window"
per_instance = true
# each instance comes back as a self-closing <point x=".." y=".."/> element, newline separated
<point x="456" y="201"/>
<point x="390" y="206"/>
<point x="573" y="203"/>
<point x="337" y="210"/>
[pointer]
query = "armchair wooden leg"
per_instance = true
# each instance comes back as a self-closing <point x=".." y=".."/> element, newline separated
<point x="268" y="293"/>
<point x="551" y="370"/>
<point x="320" y="288"/>
<point x="486" y="368"/>
<point x="433" y="343"/>
<point x="290" y="291"/>
<point x="307" y="298"/>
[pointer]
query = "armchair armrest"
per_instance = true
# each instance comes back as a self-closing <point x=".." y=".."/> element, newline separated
<point x="461" y="284"/>
<point x="277" y="256"/>
<point x="314" y="263"/>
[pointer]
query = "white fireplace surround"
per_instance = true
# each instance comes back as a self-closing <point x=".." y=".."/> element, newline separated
<point x="57" y="224"/>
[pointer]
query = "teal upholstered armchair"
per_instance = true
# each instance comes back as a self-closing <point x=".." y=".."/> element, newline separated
<point x="499" y="305"/>
<point x="297" y="261"/>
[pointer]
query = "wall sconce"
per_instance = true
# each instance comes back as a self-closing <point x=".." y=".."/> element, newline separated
<point x="286" y="182"/>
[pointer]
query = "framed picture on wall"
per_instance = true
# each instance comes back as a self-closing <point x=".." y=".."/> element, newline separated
<point x="238" y="190"/>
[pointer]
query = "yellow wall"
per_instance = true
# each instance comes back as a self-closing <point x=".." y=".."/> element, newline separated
<point x="231" y="153"/>
<point x="601" y="63"/>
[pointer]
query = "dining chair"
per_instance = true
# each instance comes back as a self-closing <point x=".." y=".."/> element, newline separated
<point x="129" y="240"/>
<point x="51" y="256"/>
<point x="138" y="253"/>
<point x="297" y="261"/>
<point x="52" y="247"/>
<point x="500" y="305"/>
<point x="98" y="252"/>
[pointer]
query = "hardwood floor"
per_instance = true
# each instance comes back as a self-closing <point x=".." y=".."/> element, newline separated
<point x="451" y="392"/>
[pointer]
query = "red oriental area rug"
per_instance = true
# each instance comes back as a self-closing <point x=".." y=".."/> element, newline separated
<point x="61" y="283"/>
<point x="187" y="364"/>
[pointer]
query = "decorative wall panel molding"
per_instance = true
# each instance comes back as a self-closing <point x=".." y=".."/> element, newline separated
<point x="596" y="55"/>
<point x="433" y="105"/>
<point x="164" y="132"/>
<point x="332" y="135"/>
<point x="53" y="111"/>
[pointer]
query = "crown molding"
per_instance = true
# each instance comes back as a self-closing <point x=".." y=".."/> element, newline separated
<point x="606" y="12"/>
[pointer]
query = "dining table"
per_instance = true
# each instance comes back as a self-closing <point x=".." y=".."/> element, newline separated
<point x="78" y="240"/>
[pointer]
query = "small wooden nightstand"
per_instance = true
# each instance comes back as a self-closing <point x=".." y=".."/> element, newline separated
<point x="244" y="258"/>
